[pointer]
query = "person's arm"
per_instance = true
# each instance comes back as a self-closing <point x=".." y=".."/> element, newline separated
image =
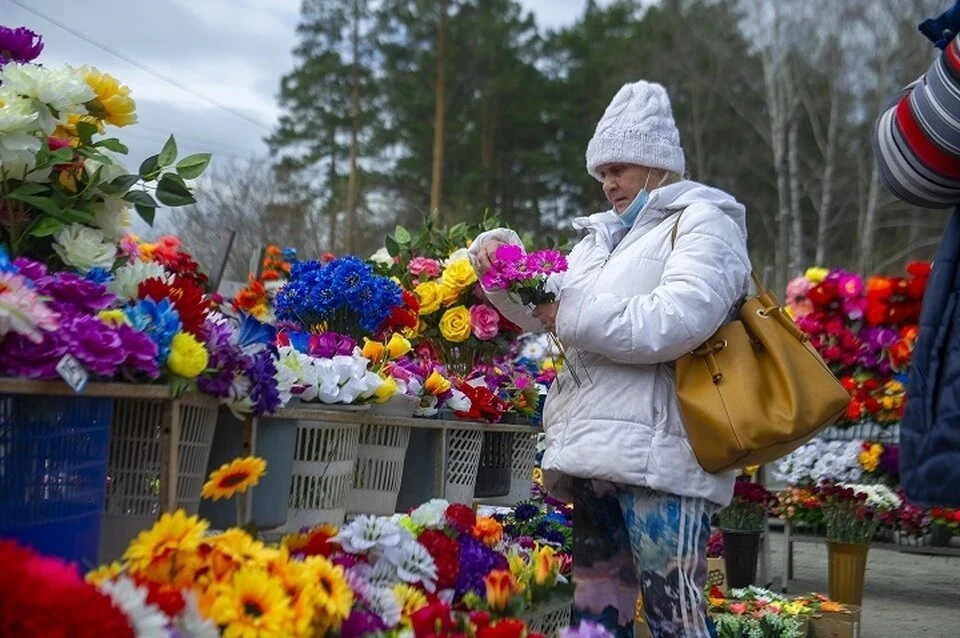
<point x="916" y="140"/>
<point x="703" y="279"/>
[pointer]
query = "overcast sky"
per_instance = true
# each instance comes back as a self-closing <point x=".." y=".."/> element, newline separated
<point x="210" y="68"/>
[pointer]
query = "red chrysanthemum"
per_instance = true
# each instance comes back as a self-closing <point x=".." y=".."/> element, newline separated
<point x="44" y="597"/>
<point x="461" y="517"/>
<point x="185" y="295"/>
<point x="446" y="556"/>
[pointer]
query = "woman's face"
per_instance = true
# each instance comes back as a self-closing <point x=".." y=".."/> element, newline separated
<point x="622" y="182"/>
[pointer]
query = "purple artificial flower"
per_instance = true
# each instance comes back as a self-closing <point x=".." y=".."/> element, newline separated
<point x="140" y="350"/>
<point x="890" y="461"/>
<point x="586" y="629"/>
<point x="95" y="344"/>
<point x="329" y="344"/>
<point x="476" y="561"/>
<point x="71" y="293"/>
<point x="19" y="45"/>
<point x="21" y="357"/>
<point x="218" y="384"/>
<point x="509" y="254"/>
<point x="263" y="388"/>
<point x="30" y="269"/>
<point x="546" y="262"/>
<point x="493" y="280"/>
<point x="362" y="623"/>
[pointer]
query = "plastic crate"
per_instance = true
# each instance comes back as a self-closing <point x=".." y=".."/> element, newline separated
<point x="550" y="619"/>
<point x="521" y="469"/>
<point x="493" y="470"/>
<point x="140" y="451"/>
<point x="379" y="470"/>
<point x="53" y="472"/>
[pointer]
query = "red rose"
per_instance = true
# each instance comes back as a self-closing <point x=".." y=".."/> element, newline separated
<point x="461" y="517"/>
<point x="432" y="620"/>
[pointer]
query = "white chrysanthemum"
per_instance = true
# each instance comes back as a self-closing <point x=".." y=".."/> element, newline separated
<point x="416" y="566"/>
<point x="430" y="515"/>
<point x="62" y="89"/>
<point x="383" y="602"/>
<point x="191" y="624"/>
<point x="369" y="534"/>
<point x="533" y="350"/>
<point x="146" y="620"/>
<point x="127" y="279"/>
<point x="112" y="216"/>
<point x="84" y="248"/>
<point x="879" y="496"/>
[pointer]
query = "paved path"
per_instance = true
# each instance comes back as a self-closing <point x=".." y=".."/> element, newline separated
<point x="905" y="594"/>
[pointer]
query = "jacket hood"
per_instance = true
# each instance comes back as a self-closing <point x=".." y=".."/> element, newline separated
<point x="669" y="199"/>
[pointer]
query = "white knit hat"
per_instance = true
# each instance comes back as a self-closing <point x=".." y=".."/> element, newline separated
<point x="637" y="128"/>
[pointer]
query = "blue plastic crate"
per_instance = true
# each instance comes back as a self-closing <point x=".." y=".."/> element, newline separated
<point x="53" y="472"/>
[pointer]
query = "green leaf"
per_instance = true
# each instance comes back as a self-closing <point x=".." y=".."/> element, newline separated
<point x="147" y="213"/>
<point x="172" y="192"/>
<point x="45" y="204"/>
<point x="192" y="166"/>
<point x="168" y="153"/>
<point x="150" y="168"/>
<point x="86" y="131"/>
<point x="28" y="188"/>
<point x="78" y="215"/>
<point x="119" y="185"/>
<point x="113" y="144"/>
<point x="45" y="226"/>
<point x="402" y="235"/>
<point x="392" y="248"/>
<point x="61" y="155"/>
<point x="140" y="198"/>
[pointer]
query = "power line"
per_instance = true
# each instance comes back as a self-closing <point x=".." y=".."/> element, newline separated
<point x="139" y="65"/>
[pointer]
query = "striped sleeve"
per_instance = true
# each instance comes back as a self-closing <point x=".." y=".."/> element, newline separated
<point x="916" y="140"/>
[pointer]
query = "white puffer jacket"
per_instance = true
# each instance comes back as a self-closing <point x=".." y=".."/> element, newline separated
<point x="630" y="307"/>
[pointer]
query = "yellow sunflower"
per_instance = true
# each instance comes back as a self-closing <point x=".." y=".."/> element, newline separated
<point x="102" y="574"/>
<point x="166" y="552"/>
<point x="297" y="581"/>
<point x="410" y="598"/>
<point x="235" y="477"/>
<point x="112" y="102"/>
<point x="334" y="598"/>
<point x="252" y="605"/>
<point x="229" y="551"/>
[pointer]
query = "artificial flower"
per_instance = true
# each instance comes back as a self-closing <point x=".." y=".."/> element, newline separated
<point x="84" y="248"/>
<point x="428" y="268"/>
<point x="19" y="45"/>
<point x="500" y="587"/>
<point x="155" y="551"/>
<point x="112" y="216"/>
<point x="188" y="357"/>
<point x="386" y="390"/>
<point x="397" y="347"/>
<point x="112" y="100"/>
<point x="436" y="384"/>
<point x="127" y="278"/>
<point x="50" y="90"/>
<point x="22" y="311"/>
<point x="252" y="605"/>
<point x="488" y="530"/>
<point x="372" y="350"/>
<point x="235" y="477"/>
<point x="187" y="297"/>
<point x="448" y="295"/>
<point x="428" y="293"/>
<point x="455" y="324"/>
<point x="484" y="321"/>
<point x="147" y="620"/>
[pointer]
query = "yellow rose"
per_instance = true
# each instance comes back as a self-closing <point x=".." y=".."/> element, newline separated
<point x="429" y="295"/>
<point x="188" y="358"/>
<point x="372" y="350"/>
<point x="397" y="347"/>
<point x="459" y="274"/>
<point x="386" y="390"/>
<point x="436" y="384"/>
<point x="448" y="295"/>
<point x="455" y="324"/>
<point x="816" y="275"/>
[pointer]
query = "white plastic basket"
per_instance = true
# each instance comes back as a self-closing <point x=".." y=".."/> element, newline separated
<point x="463" y="460"/>
<point x="139" y="434"/>
<point x="550" y="620"/>
<point x="521" y="470"/>
<point x="379" y="469"/>
<point x="323" y="463"/>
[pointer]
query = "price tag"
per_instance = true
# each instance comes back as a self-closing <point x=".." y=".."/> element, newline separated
<point x="72" y="373"/>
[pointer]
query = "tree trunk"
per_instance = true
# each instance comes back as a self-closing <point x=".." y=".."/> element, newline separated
<point x="796" y="219"/>
<point x="352" y="183"/>
<point x="826" y="193"/>
<point x="869" y="228"/>
<point x="334" y="200"/>
<point x="440" y="107"/>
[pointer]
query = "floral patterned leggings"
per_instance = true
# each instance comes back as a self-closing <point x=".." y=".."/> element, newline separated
<point x="630" y="540"/>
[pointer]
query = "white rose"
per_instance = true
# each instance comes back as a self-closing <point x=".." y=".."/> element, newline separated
<point x="84" y="248"/>
<point x="382" y="256"/>
<point x="126" y="281"/>
<point x="112" y="216"/>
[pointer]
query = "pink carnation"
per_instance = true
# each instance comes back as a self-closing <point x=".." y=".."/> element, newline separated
<point x="424" y="266"/>
<point x="485" y="322"/>
<point x="546" y="262"/>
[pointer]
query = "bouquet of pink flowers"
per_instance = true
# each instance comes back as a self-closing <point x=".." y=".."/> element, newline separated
<point x="525" y="275"/>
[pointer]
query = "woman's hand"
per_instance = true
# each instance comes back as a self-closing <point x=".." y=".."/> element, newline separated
<point x="486" y="255"/>
<point x="547" y="315"/>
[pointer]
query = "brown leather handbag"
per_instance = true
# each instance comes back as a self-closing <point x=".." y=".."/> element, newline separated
<point x="757" y="389"/>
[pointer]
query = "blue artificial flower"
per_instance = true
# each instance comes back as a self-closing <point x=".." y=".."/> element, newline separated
<point x="254" y="333"/>
<point x="98" y="275"/>
<point x="159" y="321"/>
<point x="300" y="341"/>
<point x="5" y="264"/>
<point x="349" y="273"/>
<point x="289" y="254"/>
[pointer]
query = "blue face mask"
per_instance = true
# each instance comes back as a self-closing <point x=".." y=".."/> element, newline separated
<point x="629" y="216"/>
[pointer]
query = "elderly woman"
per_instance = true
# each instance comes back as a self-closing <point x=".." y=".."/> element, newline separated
<point x="652" y="279"/>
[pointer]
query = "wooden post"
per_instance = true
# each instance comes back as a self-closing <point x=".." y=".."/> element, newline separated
<point x="171" y="453"/>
